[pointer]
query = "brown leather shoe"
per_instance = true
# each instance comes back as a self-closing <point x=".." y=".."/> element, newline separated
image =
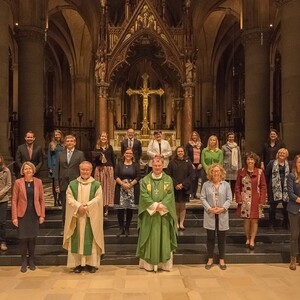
<point x="77" y="269"/>
<point x="3" y="246"/>
<point x="293" y="263"/>
<point x="251" y="247"/>
<point x="92" y="269"/>
<point x="120" y="232"/>
<point x="208" y="266"/>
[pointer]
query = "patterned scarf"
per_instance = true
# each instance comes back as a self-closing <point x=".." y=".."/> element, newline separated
<point x="195" y="144"/>
<point x="234" y="155"/>
<point x="279" y="192"/>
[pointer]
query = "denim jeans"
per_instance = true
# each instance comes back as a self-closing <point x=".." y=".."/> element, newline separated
<point x="295" y="233"/>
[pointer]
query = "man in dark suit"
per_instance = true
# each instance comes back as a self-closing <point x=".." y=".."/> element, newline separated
<point x="67" y="169"/>
<point x="29" y="152"/>
<point x="134" y="144"/>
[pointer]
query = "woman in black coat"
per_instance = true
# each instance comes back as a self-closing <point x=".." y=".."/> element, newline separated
<point x="277" y="172"/>
<point x="181" y="171"/>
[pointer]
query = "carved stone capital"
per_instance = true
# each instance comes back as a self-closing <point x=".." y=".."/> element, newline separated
<point x="188" y="84"/>
<point x="281" y="3"/>
<point x="29" y="33"/>
<point x="103" y="88"/>
<point x="188" y="90"/>
<point x="256" y="36"/>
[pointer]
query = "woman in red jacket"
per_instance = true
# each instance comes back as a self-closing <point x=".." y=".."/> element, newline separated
<point x="28" y="211"/>
<point x="251" y="195"/>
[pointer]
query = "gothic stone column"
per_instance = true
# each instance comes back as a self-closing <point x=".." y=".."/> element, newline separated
<point x="110" y="117"/>
<point x="4" y="78"/>
<point x="187" y="121"/>
<point x="31" y="78"/>
<point x="103" y="111"/>
<point x="290" y="74"/>
<point x="257" y="74"/>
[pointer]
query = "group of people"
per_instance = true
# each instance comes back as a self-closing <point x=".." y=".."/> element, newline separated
<point x="253" y="183"/>
<point x="213" y="173"/>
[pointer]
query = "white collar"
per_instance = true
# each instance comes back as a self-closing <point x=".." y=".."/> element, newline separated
<point x="157" y="177"/>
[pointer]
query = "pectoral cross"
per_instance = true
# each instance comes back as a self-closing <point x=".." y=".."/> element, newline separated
<point x="145" y="92"/>
<point x="156" y="191"/>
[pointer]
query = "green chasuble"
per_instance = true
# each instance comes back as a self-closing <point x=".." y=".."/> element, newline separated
<point x="157" y="234"/>
<point x="88" y="233"/>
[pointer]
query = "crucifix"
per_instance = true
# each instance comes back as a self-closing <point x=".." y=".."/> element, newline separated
<point x="145" y="92"/>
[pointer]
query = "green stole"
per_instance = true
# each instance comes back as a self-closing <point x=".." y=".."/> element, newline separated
<point x="88" y="233"/>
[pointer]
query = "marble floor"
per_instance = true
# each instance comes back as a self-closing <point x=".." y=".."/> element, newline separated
<point x="184" y="282"/>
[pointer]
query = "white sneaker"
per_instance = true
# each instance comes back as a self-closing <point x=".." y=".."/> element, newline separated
<point x="3" y="246"/>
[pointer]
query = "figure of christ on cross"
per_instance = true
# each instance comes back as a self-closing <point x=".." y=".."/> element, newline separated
<point x="145" y="92"/>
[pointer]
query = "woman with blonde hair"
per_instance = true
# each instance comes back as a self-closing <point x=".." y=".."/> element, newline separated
<point x="216" y="198"/>
<point x="55" y="147"/>
<point x="293" y="208"/>
<point x="212" y="153"/>
<point x="104" y="163"/>
<point x="28" y="211"/>
<point x="276" y="173"/>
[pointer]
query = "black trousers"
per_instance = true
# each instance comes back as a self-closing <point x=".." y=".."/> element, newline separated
<point x="27" y="245"/>
<point x="221" y="235"/>
<point x="272" y="212"/>
<point x="3" y="212"/>
<point x="63" y="205"/>
<point x="121" y="217"/>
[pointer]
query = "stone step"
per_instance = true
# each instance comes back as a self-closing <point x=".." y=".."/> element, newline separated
<point x="185" y="254"/>
<point x="194" y="218"/>
<point x="271" y="246"/>
<point x="190" y="236"/>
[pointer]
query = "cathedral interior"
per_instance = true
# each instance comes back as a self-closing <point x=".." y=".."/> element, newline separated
<point x="176" y="65"/>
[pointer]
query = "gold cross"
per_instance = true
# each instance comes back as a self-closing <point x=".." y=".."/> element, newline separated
<point x="145" y="92"/>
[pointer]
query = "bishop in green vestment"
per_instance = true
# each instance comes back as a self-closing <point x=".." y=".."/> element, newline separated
<point x="157" y="220"/>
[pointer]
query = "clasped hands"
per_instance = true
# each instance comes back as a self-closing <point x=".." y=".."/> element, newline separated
<point x="216" y="210"/>
<point x="160" y="207"/>
<point x="82" y="210"/>
<point x="126" y="186"/>
<point x="179" y="186"/>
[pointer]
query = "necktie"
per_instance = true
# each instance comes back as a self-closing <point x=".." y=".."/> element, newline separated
<point x="29" y="152"/>
<point x="159" y="144"/>
<point x="130" y="143"/>
<point x="69" y="154"/>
